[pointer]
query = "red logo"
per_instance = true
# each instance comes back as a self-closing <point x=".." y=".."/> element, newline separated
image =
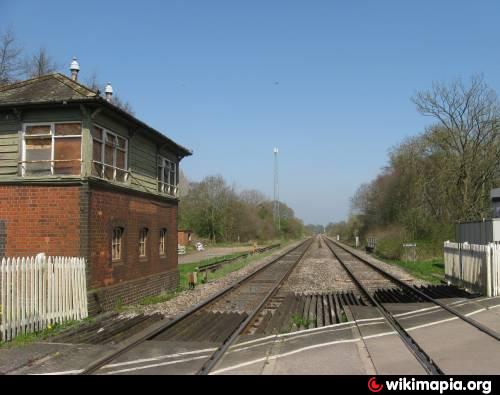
<point x="373" y="386"/>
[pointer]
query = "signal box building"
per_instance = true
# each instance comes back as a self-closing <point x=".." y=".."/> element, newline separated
<point x="81" y="177"/>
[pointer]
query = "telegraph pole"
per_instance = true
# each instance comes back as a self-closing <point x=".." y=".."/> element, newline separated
<point x="276" y="202"/>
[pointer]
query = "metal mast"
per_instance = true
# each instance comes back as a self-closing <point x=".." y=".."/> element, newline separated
<point x="276" y="202"/>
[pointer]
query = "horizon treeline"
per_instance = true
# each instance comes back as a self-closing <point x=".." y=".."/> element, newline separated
<point x="214" y="210"/>
<point x="435" y="179"/>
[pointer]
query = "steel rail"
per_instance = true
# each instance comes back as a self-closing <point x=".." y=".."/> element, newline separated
<point x="423" y="295"/>
<point x="219" y="353"/>
<point x="423" y="358"/>
<point x="161" y="326"/>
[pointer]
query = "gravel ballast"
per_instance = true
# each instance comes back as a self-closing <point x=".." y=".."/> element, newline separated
<point x="187" y="299"/>
<point x="320" y="272"/>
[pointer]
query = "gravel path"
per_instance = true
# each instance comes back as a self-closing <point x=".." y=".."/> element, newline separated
<point x="188" y="299"/>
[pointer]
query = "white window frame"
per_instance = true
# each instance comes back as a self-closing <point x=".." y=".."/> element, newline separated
<point x="163" y="242"/>
<point x="143" y="242"/>
<point x="52" y="142"/>
<point x="105" y="133"/>
<point x="118" y="243"/>
<point x="166" y="186"/>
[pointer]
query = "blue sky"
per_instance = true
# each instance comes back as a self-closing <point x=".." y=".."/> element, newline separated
<point x="328" y="82"/>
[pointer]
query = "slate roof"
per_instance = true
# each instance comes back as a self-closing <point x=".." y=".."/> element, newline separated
<point x="48" y="88"/>
<point x="57" y="88"/>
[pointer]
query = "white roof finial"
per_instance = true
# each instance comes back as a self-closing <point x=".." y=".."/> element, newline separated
<point x="74" y="65"/>
<point x="108" y="91"/>
<point x="74" y="68"/>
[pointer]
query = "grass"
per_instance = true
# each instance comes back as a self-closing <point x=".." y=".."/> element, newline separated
<point x="229" y="244"/>
<point x="298" y="321"/>
<point x="29" y="338"/>
<point x="161" y="298"/>
<point x="431" y="270"/>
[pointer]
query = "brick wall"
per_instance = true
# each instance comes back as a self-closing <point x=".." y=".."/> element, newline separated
<point x="3" y="238"/>
<point x="79" y="221"/>
<point x="128" y="292"/>
<point x="40" y="219"/>
<point x="109" y="209"/>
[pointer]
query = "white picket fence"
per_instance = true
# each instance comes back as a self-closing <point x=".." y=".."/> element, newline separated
<point x="473" y="266"/>
<point x="38" y="292"/>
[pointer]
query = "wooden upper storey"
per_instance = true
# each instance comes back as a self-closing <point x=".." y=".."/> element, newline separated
<point x="54" y="129"/>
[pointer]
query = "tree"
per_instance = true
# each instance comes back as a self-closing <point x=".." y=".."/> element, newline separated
<point x="93" y="83"/>
<point x="441" y="176"/>
<point x="213" y="209"/>
<point x="184" y="185"/>
<point x="468" y="135"/>
<point x="39" y="64"/>
<point x="124" y="105"/>
<point x="10" y="62"/>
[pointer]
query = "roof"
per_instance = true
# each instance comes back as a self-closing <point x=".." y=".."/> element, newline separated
<point x="48" y="88"/>
<point x="57" y="89"/>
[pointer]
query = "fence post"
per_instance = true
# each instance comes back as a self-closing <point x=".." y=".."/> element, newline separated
<point x="489" y="251"/>
<point x="3" y="298"/>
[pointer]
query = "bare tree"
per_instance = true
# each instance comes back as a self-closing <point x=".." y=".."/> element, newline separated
<point x="39" y="64"/>
<point x="184" y="184"/>
<point x="95" y="84"/>
<point x="92" y="82"/>
<point x="10" y="63"/>
<point x="124" y="105"/>
<point x="468" y="134"/>
<point x="252" y="197"/>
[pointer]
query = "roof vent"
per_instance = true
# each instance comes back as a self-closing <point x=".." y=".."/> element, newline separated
<point x="109" y="92"/>
<point x="75" y="68"/>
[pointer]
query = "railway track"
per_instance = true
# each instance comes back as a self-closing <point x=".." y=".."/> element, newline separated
<point x="221" y="318"/>
<point x="376" y="287"/>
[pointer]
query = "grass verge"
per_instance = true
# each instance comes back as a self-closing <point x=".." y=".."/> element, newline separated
<point x="431" y="270"/>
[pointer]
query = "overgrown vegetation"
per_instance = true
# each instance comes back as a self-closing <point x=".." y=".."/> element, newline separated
<point x="434" y="179"/>
<point x="216" y="211"/>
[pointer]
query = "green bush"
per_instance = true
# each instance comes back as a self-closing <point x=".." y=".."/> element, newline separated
<point x="389" y="248"/>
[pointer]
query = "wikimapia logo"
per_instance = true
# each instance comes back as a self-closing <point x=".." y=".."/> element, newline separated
<point x="441" y="386"/>
<point x="373" y="386"/>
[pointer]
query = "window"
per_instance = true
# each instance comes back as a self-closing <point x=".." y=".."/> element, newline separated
<point x="143" y="238"/>
<point x="116" y="244"/>
<point x="52" y="149"/>
<point x="163" y="236"/>
<point x="167" y="176"/>
<point x="109" y="155"/>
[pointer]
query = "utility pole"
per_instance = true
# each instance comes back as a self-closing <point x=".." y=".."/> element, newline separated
<point x="276" y="202"/>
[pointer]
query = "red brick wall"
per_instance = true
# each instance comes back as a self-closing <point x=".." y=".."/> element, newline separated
<point x="41" y="219"/>
<point x="109" y="209"/>
<point x="183" y="238"/>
